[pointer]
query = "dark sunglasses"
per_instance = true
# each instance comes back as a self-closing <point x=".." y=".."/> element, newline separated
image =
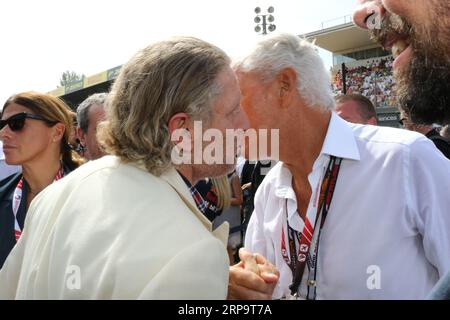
<point x="402" y="121"/>
<point x="17" y="121"/>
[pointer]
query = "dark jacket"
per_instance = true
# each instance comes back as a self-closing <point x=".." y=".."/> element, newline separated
<point x="440" y="142"/>
<point x="7" y="238"/>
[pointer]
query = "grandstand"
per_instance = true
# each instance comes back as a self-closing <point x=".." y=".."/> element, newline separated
<point x="368" y="68"/>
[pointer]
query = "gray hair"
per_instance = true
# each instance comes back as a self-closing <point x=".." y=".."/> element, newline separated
<point x="169" y="77"/>
<point x="277" y="52"/>
<point x="83" y="109"/>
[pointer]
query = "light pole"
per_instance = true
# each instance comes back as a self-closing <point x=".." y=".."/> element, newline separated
<point x="264" y="21"/>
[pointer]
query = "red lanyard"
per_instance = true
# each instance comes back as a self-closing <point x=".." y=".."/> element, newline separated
<point x="300" y="243"/>
<point x="17" y="198"/>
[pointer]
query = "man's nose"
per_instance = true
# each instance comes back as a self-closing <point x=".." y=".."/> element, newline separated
<point x="366" y="9"/>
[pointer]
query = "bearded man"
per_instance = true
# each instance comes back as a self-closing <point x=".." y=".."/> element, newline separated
<point x="418" y="33"/>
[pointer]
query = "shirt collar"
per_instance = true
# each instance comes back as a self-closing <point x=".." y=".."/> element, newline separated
<point x="175" y="180"/>
<point x="283" y="183"/>
<point x="180" y="184"/>
<point x="199" y="201"/>
<point x="339" y="142"/>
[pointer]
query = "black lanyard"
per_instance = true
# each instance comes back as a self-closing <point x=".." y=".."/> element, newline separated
<point x="306" y="238"/>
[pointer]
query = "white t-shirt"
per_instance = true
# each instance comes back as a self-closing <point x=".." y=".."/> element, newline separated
<point x="387" y="233"/>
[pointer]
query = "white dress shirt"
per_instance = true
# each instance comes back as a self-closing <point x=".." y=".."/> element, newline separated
<point x="387" y="233"/>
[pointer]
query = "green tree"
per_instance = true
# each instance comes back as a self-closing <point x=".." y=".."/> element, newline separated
<point x="69" y="76"/>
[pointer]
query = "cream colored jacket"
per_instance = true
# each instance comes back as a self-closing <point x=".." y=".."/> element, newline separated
<point x="114" y="231"/>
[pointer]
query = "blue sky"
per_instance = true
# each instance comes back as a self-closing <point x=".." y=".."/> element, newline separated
<point x="41" y="39"/>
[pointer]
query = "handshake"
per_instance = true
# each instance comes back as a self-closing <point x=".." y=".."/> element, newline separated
<point x="253" y="278"/>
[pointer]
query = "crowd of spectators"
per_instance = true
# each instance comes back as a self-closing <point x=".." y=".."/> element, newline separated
<point x="375" y="81"/>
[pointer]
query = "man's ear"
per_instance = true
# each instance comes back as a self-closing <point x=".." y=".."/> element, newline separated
<point x="180" y="136"/>
<point x="372" y="121"/>
<point x="179" y="125"/>
<point x="287" y="86"/>
<point x="81" y="136"/>
<point x="178" y="121"/>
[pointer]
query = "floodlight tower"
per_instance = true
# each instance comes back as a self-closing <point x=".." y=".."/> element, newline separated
<point x="263" y="22"/>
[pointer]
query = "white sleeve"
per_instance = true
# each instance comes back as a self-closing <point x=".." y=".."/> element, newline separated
<point x="429" y="201"/>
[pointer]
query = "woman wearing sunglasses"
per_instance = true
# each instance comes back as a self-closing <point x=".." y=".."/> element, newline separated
<point x="35" y="129"/>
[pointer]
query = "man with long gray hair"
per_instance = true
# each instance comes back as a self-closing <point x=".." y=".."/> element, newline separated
<point x="89" y="114"/>
<point x="351" y="211"/>
<point x="126" y="226"/>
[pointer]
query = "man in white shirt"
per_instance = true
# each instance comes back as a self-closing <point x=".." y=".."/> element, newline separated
<point x="386" y="232"/>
